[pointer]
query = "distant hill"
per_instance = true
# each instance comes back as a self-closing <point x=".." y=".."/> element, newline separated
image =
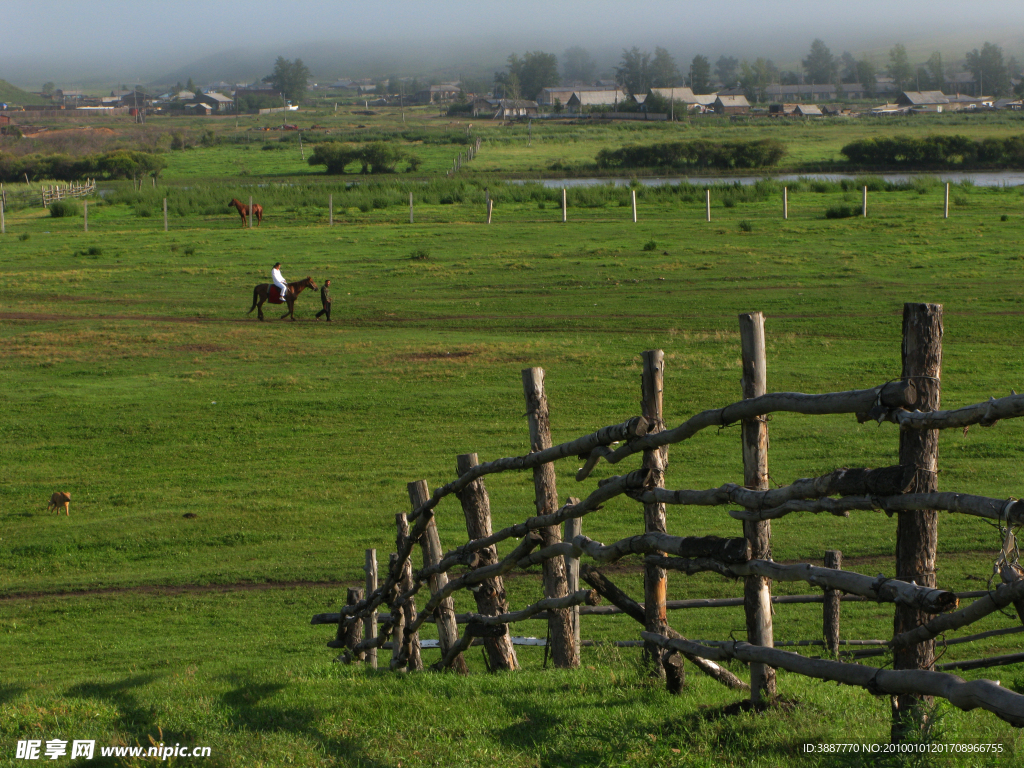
<point x="13" y="95"/>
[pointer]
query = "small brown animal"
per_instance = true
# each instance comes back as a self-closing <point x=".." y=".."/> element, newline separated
<point x="58" y="498"/>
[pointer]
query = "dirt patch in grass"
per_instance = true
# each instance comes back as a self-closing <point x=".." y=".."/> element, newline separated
<point x="201" y="348"/>
<point x="424" y="356"/>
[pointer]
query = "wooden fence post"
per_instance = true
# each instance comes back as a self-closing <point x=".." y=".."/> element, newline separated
<point x="165" y="214"/>
<point x="354" y="634"/>
<point x="564" y="652"/>
<point x="572" y="528"/>
<point x="410" y="648"/>
<point x="707" y="203"/>
<point x="490" y="209"/>
<point x="3" y="221"/>
<point x="250" y="211"/>
<point x="864" y="204"/>
<point x="330" y="210"/>
<point x="430" y="544"/>
<point x="785" y="203"/>
<point x="830" y="608"/>
<point x="370" y="622"/>
<point x="634" y="205"/>
<point x="945" y="209"/>
<point x="655" y="579"/>
<point x="491" y="599"/>
<point x="757" y="589"/>
<point x="410" y="207"/>
<point x="397" y="616"/>
<point x="565" y="209"/>
<point x="85" y="216"/>
<point x="917" y="533"/>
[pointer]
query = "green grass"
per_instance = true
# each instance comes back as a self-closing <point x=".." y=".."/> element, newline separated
<point x="135" y="380"/>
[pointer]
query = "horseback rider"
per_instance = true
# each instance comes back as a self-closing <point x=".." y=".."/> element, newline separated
<point x="279" y="281"/>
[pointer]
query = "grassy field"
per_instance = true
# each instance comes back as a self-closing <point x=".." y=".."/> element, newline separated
<point x="136" y="381"/>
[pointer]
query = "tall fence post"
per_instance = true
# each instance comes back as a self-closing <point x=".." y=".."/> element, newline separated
<point x="830" y="606"/>
<point x="945" y="208"/>
<point x="565" y="210"/>
<point x="864" y="204"/>
<point x="430" y="544"/>
<point x="250" y="211"/>
<point x="3" y="221"/>
<point x="572" y="528"/>
<point x="757" y="600"/>
<point x="655" y="579"/>
<point x="370" y="622"/>
<point x="491" y="599"/>
<point x="410" y="207"/>
<point x="397" y="617"/>
<point x="785" y="203"/>
<point x="165" y="214"/>
<point x="707" y="203"/>
<point x="917" y="533"/>
<point x="410" y="648"/>
<point x="490" y="210"/>
<point x="330" y="210"/>
<point x="354" y="633"/>
<point x="634" y="205"/>
<point x="85" y="216"/>
<point x="564" y="652"/>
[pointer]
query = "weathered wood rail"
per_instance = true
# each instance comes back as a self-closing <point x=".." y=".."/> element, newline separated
<point x="55" y="192"/>
<point x="923" y="610"/>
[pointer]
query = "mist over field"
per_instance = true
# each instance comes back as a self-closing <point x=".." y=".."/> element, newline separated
<point x="113" y="40"/>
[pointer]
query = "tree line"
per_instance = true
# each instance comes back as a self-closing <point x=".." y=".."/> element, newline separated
<point x="936" y="151"/>
<point x="638" y="70"/>
<point x="119" y="164"/>
<point x="695" y="154"/>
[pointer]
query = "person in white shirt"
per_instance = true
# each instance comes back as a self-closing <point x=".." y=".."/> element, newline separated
<point x="279" y="281"/>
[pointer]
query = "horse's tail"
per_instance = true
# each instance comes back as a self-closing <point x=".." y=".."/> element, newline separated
<point x="255" y="299"/>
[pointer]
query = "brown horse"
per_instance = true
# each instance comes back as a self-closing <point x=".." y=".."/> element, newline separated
<point x="243" y="210"/>
<point x="261" y="293"/>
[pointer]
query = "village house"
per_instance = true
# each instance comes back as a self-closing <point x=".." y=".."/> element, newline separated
<point x="217" y="101"/>
<point x="731" y="105"/>
<point x="586" y="95"/>
<point x="439" y="93"/>
<point x="504" y="109"/>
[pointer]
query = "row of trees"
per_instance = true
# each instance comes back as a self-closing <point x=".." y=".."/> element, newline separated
<point x="691" y="155"/>
<point x="120" y="164"/>
<point x="936" y="151"/>
<point x="639" y="70"/>
<point x="374" y="157"/>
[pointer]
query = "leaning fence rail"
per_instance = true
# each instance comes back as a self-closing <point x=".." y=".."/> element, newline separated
<point x="907" y="490"/>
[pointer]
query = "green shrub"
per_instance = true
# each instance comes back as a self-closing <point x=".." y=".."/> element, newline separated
<point x="23" y="236"/>
<point x="60" y="209"/>
<point x="420" y="254"/>
<point x="190" y="250"/>
<point x="729" y="201"/>
<point x="94" y="251"/>
<point x="650" y="245"/>
<point x="1004" y="217"/>
<point x="698" y="153"/>
<point x="746" y="226"/>
<point x="841" y="212"/>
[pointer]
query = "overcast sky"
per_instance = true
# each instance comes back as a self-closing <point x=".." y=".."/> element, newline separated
<point x="149" y="37"/>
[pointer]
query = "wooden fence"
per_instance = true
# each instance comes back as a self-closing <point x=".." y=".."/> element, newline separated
<point x="63" y="191"/>
<point x="923" y="611"/>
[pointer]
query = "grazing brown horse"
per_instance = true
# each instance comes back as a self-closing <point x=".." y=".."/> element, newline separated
<point x="261" y="294"/>
<point x="243" y="210"/>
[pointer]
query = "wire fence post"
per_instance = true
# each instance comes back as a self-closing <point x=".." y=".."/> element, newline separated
<point x="85" y="215"/>
<point x="165" y="214"/>
<point x="707" y="203"/>
<point x="250" y="211"/>
<point x="785" y="203"/>
<point x="330" y="210"/>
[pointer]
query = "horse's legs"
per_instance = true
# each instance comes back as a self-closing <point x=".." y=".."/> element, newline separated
<point x="259" y="308"/>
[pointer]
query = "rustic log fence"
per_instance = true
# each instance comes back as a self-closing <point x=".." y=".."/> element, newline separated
<point x="55" y="192"/>
<point x="923" y="610"/>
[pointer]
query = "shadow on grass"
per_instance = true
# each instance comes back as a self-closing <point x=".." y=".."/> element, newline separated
<point x="135" y="720"/>
<point x="538" y="730"/>
<point x="11" y="692"/>
<point x="250" y="707"/>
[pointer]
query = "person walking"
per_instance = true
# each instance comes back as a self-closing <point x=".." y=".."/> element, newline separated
<point x="325" y="299"/>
